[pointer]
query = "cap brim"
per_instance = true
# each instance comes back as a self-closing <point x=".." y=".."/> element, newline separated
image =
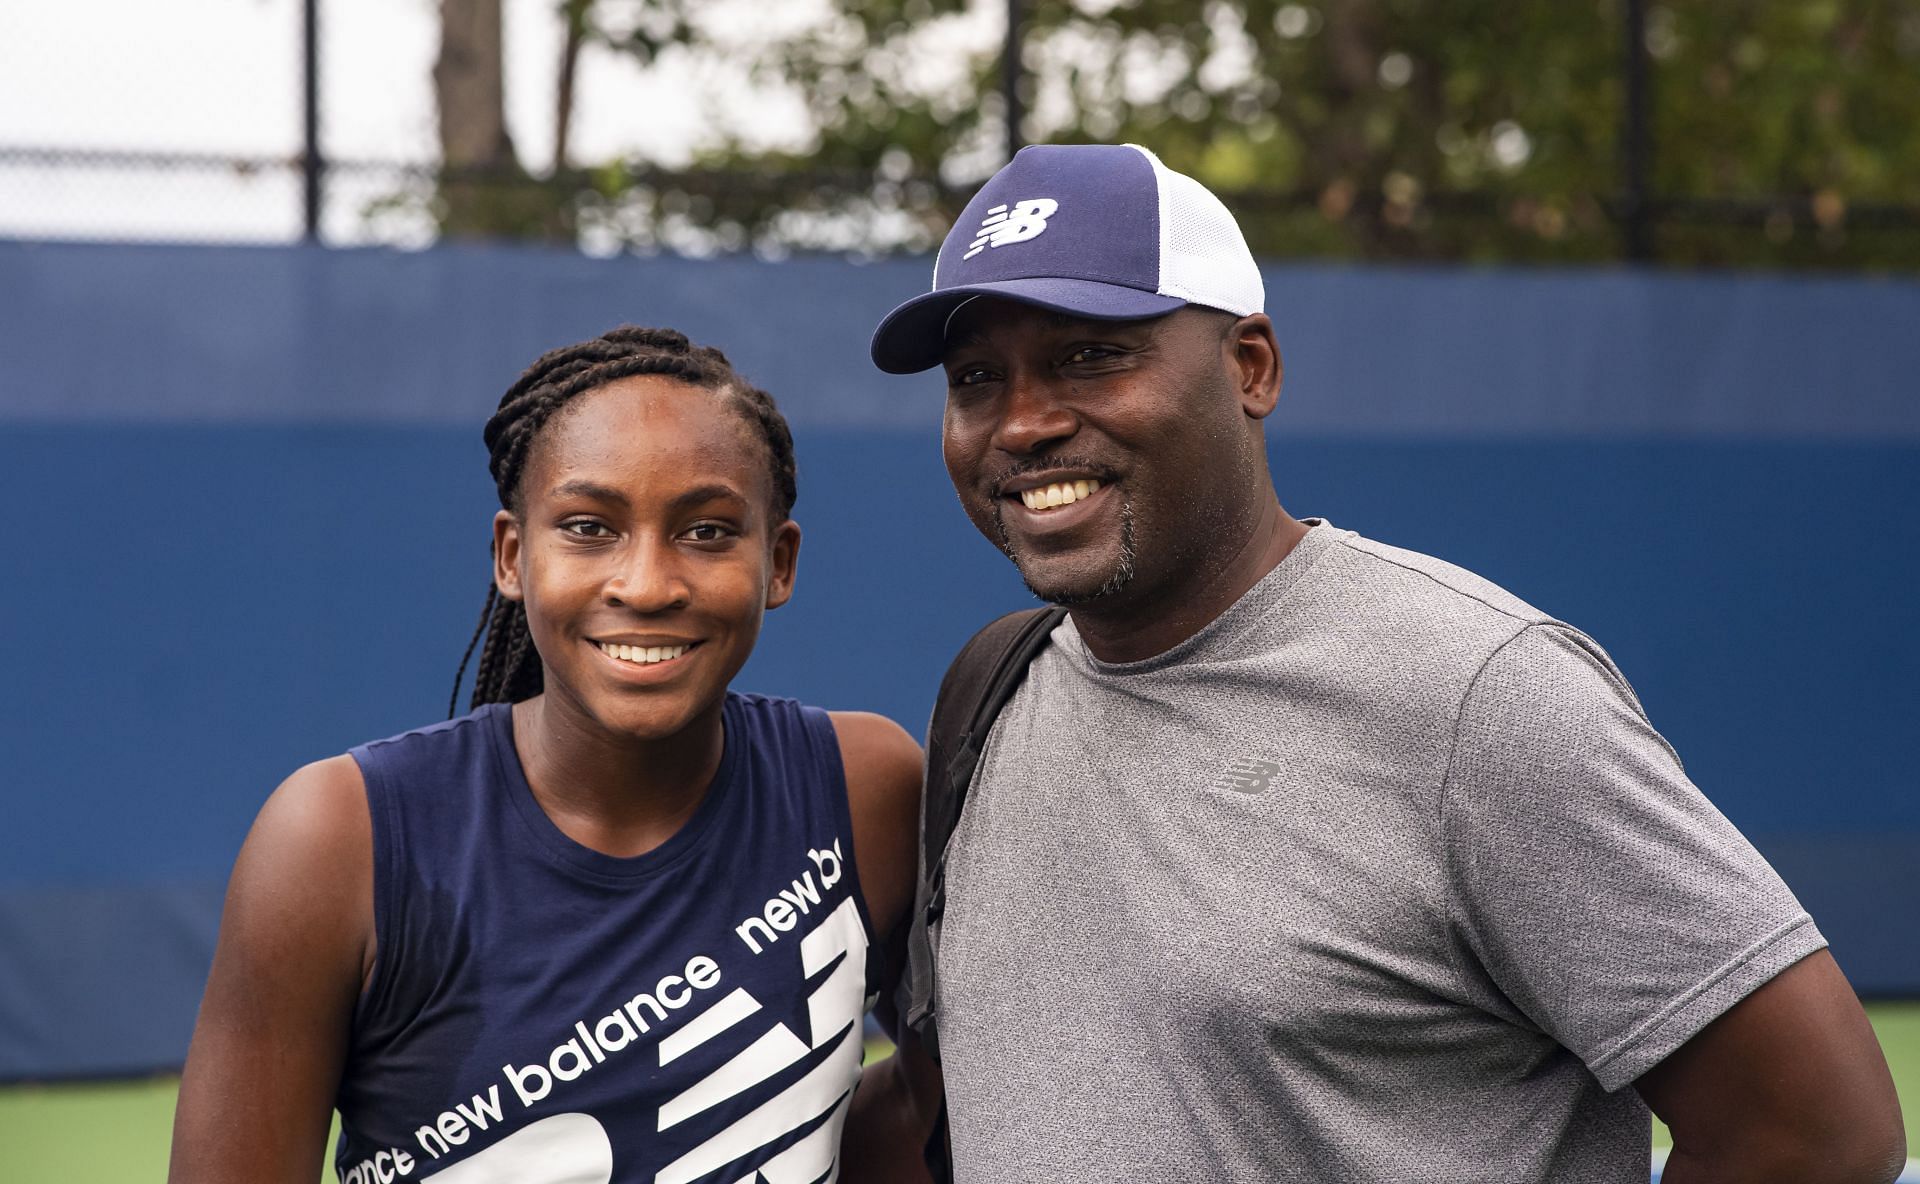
<point x="913" y="336"/>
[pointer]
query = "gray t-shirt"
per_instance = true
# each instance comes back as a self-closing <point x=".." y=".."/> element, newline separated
<point x="1383" y="876"/>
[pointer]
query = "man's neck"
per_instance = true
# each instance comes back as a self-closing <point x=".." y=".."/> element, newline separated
<point x="1131" y="631"/>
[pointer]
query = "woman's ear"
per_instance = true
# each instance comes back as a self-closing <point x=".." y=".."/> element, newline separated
<point x="506" y="555"/>
<point x="783" y="553"/>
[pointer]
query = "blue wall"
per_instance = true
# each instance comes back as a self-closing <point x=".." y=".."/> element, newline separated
<point x="249" y="528"/>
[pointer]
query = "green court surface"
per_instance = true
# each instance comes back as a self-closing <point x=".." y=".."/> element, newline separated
<point x="117" y="1132"/>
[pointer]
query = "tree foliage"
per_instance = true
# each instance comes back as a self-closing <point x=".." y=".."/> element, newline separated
<point x="1784" y="132"/>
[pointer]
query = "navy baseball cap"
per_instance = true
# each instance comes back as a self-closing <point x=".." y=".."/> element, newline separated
<point x="1093" y="230"/>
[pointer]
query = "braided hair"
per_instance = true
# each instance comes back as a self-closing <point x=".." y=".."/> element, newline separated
<point x="509" y="668"/>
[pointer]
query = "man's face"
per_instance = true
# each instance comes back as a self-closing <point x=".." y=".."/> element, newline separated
<point x="1109" y="459"/>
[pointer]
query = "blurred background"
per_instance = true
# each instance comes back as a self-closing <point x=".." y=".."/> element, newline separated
<point x="1614" y="302"/>
<point x="1735" y="134"/>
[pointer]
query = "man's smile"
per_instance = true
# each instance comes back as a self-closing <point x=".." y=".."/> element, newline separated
<point x="1057" y="493"/>
<point x="1050" y="505"/>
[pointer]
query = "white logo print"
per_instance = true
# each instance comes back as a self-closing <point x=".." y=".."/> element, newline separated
<point x="562" y="1149"/>
<point x="833" y="1018"/>
<point x="1002" y="226"/>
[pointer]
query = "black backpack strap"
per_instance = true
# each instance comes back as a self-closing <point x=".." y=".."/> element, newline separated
<point x="985" y="674"/>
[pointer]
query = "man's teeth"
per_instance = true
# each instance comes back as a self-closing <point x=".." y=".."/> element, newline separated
<point x="643" y="654"/>
<point x="1060" y="493"/>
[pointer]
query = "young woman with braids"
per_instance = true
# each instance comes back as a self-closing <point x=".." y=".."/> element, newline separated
<point x="619" y="923"/>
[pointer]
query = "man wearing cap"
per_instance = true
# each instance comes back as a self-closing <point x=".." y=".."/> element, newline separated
<point x="1297" y="856"/>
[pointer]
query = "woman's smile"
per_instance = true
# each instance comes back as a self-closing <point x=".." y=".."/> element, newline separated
<point x="647" y="663"/>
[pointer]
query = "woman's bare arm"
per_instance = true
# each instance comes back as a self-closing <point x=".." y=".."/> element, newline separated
<point x="296" y="943"/>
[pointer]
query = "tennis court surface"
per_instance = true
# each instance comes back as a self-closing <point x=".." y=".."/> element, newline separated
<point x="117" y="1132"/>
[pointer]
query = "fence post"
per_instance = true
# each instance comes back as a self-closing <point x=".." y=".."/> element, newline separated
<point x="1010" y="67"/>
<point x="311" y="165"/>
<point x="1636" y="140"/>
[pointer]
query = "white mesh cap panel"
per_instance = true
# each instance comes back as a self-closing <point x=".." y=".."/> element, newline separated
<point x="1203" y="256"/>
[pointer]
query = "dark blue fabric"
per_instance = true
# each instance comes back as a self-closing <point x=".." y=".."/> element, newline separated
<point x="1077" y="231"/>
<point x="293" y="590"/>
<point x="102" y="980"/>
<point x="120" y="334"/>
<point x="913" y="336"/>
<point x="523" y="978"/>
<point x="1105" y="224"/>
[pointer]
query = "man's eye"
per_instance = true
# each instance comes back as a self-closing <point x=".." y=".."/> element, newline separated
<point x="707" y="532"/>
<point x="586" y="528"/>
<point x="1092" y="353"/>
<point x="971" y="376"/>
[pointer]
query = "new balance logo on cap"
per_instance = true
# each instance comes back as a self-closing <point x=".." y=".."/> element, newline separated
<point x="1002" y="226"/>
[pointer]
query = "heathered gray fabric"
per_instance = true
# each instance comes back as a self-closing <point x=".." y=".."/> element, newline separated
<point x="1384" y="876"/>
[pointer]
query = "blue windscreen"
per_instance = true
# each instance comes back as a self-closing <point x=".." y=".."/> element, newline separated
<point x="249" y="527"/>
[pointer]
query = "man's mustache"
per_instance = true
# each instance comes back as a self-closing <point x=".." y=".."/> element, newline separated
<point x="1041" y="464"/>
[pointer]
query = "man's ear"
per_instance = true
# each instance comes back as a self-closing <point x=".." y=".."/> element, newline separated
<point x="506" y="555"/>
<point x="1256" y="364"/>
<point x="784" y="560"/>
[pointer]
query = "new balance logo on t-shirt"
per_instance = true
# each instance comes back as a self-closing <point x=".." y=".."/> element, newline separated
<point x="1247" y="775"/>
<point x="1025" y="220"/>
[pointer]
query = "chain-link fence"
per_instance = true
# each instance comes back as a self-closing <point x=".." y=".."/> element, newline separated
<point x="273" y="121"/>
<point x="140" y="122"/>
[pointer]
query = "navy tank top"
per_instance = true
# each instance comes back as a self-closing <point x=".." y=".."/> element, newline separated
<point x="543" y="1013"/>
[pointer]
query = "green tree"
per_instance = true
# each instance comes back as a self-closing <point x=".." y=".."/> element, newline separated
<point x="1784" y="131"/>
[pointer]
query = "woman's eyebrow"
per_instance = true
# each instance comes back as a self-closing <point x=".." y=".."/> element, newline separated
<point x="589" y="489"/>
<point x="711" y="491"/>
<point x="714" y="491"/>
